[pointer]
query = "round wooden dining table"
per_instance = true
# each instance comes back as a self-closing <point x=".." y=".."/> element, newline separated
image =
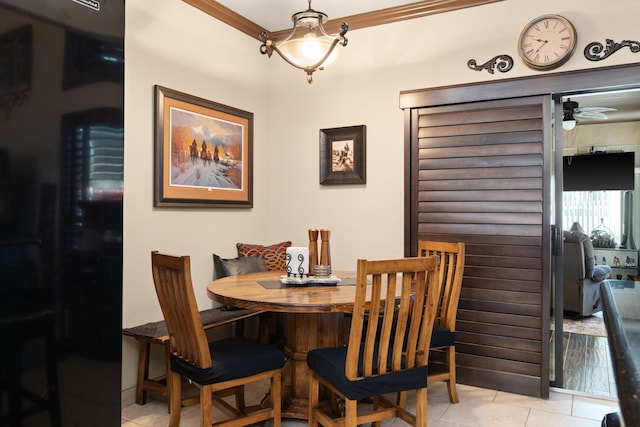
<point x="313" y="318"/>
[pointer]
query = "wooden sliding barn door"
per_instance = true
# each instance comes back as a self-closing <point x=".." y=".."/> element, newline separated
<point x="477" y="175"/>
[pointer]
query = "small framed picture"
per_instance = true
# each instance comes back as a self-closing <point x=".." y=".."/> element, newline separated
<point x="203" y="153"/>
<point x="343" y="155"/>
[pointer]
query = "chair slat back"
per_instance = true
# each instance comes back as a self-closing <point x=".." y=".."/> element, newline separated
<point x="398" y="337"/>
<point x="451" y="259"/>
<point x="172" y="279"/>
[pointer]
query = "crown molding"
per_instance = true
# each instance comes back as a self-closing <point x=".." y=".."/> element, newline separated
<point x="228" y="16"/>
<point x="361" y="20"/>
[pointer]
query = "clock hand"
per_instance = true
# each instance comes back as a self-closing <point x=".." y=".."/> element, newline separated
<point x="542" y="45"/>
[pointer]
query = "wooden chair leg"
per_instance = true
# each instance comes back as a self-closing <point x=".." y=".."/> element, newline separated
<point x="143" y="369"/>
<point x="451" y="366"/>
<point x="421" y="407"/>
<point x="351" y="413"/>
<point x="174" y="394"/>
<point x="276" y="402"/>
<point x="206" y="403"/>
<point x="239" y="393"/>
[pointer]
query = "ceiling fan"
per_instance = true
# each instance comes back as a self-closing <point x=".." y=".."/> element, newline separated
<point x="572" y="112"/>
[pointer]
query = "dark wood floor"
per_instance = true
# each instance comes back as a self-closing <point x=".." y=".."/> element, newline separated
<point x="587" y="365"/>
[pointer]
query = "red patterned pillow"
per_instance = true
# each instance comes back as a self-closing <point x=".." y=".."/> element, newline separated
<point x="274" y="255"/>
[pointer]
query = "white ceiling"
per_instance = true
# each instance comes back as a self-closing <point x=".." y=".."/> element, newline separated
<point x="275" y="15"/>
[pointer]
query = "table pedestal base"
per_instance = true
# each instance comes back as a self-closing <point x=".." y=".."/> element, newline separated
<point x="305" y="332"/>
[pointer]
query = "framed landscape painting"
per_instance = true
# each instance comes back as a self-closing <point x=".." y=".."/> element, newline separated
<point x="203" y="152"/>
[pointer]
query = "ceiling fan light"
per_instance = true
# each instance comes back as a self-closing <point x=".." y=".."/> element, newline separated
<point x="568" y="121"/>
<point x="568" y="124"/>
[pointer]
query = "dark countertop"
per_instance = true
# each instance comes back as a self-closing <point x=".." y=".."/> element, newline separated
<point x="624" y="345"/>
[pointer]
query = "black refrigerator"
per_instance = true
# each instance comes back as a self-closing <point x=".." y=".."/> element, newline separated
<point x="61" y="193"/>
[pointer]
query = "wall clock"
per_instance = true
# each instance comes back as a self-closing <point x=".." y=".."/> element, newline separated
<point x="547" y="42"/>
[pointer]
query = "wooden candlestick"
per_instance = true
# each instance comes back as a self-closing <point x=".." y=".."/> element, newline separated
<point x="325" y="252"/>
<point x="313" y="249"/>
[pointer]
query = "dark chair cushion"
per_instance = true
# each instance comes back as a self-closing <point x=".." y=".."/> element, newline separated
<point x="442" y="337"/>
<point x="235" y="357"/>
<point x="329" y="363"/>
<point x="209" y="317"/>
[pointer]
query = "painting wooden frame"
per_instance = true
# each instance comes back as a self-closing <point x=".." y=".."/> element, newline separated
<point x="343" y="155"/>
<point x="15" y="76"/>
<point x="203" y="153"/>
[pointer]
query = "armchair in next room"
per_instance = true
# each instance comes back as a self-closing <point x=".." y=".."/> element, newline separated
<point x="582" y="278"/>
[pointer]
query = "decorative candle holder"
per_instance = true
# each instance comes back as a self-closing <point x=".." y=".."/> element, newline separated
<point x="297" y="258"/>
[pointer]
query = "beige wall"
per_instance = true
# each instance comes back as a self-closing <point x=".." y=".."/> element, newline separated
<point x="173" y="44"/>
<point x="623" y="136"/>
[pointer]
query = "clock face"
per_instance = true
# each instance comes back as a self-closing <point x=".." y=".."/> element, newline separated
<point x="547" y="42"/>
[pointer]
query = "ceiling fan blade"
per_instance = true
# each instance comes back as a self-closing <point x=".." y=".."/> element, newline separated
<point x="580" y="110"/>
<point x="589" y="115"/>
<point x="591" y="112"/>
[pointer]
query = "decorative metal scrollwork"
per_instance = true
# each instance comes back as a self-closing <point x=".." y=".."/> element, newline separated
<point x="595" y="51"/>
<point x="503" y="63"/>
<point x="9" y="101"/>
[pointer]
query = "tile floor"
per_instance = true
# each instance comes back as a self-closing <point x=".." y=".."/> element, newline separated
<point x="588" y="395"/>
<point x="478" y="407"/>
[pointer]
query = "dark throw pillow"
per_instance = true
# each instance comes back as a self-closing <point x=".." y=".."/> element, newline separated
<point x="223" y="267"/>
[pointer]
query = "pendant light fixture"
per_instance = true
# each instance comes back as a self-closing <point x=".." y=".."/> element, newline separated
<point x="308" y="47"/>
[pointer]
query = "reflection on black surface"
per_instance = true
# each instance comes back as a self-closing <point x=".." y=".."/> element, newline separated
<point x="90" y="59"/>
<point x="15" y="80"/>
<point x="27" y="320"/>
<point x="61" y="190"/>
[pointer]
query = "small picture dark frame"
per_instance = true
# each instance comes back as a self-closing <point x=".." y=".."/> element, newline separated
<point x="343" y="155"/>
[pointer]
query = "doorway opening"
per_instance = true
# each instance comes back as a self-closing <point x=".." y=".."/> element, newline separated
<point x="602" y="206"/>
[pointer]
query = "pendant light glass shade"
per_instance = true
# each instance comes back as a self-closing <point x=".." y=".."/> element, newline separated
<point x="308" y="47"/>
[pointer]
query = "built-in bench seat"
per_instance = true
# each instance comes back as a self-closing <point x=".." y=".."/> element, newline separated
<point x="156" y="333"/>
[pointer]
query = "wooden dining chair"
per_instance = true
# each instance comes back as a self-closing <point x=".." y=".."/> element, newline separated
<point x="451" y="258"/>
<point x="386" y="353"/>
<point x="213" y="367"/>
